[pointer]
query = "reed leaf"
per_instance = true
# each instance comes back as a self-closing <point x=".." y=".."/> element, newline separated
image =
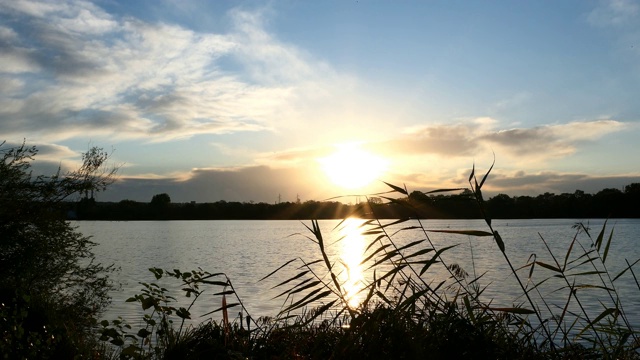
<point x="484" y="178"/>
<point x="396" y="222"/>
<point x="396" y="188"/>
<point x="549" y="267"/>
<point x="297" y="276"/>
<point x="593" y="272"/>
<point x="512" y="310"/>
<point x="278" y="269"/>
<point x="606" y="248"/>
<point x="435" y="256"/>
<point x="291" y="289"/>
<point x="225" y="307"/>
<point x="418" y="253"/>
<point x="478" y="233"/>
<point x="212" y="282"/>
<point x="373" y="242"/>
<point x="498" y="239"/>
<point x="305" y="287"/>
<point x="228" y="292"/>
<point x="625" y="270"/>
<point x="603" y="314"/>
<point x="601" y="236"/>
<point x="381" y="248"/>
<point x="443" y="190"/>
<point x="308" y="300"/>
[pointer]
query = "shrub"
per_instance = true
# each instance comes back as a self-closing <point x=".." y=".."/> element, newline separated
<point x="52" y="287"/>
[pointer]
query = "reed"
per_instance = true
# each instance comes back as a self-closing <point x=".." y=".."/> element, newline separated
<point x="407" y="310"/>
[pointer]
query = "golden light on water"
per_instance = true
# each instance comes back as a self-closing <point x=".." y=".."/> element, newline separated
<point x="351" y="255"/>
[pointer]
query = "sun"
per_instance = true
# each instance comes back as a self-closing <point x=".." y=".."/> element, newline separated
<point x="351" y="167"/>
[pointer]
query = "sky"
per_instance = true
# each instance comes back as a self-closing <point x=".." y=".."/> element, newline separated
<point x="281" y="100"/>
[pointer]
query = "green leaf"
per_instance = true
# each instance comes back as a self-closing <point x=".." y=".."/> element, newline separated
<point x="183" y="313"/>
<point x="143" y="333"/>
<point x="148" y="303"/>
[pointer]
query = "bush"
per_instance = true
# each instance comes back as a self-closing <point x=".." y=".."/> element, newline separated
<point x="52" y="288"/>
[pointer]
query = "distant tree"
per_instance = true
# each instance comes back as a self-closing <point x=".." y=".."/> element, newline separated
<point x="501" y="206"/>
<point x="160" y="200"/>
<point x="375" y="200"/>
<point x="44" y="262"/>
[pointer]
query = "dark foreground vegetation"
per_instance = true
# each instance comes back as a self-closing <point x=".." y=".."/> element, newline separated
<point x="52" y="301"/>
<point x="51" y="287"/>
<point x="607" y="203"/>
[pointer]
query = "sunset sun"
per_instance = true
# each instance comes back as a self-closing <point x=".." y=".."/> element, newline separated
<point x="351" y="167"/>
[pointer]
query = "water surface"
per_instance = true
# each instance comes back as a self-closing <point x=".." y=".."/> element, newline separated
<point x="248" y="250"/>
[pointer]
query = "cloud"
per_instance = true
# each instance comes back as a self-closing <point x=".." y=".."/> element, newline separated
<point x="244" y="184"/>
<point x="442" y="140"/>
<point x="483" y="135"/>
<point x="84" y="71"/>
<point x="49" y="158"/>
<point x="550" y="141"/>
<point x="614" y="13"/>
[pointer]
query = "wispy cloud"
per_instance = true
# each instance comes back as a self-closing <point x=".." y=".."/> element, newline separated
<point x="539" y="143"/>
<point x="70" y="68"/>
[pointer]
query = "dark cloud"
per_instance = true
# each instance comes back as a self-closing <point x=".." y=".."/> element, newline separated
<point x="256" y="183"/>
<point x="444" y="140"/>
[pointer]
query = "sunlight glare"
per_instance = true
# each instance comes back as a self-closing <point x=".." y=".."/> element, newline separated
<point x="351" y="167"/>
<point x="351" y="254"/>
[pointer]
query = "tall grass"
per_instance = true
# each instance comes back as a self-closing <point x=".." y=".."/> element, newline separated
<point x="406" y="310"/>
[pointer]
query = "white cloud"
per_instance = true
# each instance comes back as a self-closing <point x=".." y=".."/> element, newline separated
<point x="125" y="78"/>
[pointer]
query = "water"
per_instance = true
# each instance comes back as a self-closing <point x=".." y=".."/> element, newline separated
<point x="248" y="250"/>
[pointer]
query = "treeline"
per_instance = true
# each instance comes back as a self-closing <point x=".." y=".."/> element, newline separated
<point x="610" y="202"/>
<point x="606" y="203"/>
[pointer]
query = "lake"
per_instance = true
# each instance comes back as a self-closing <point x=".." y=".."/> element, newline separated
<point x="248" y="250"/>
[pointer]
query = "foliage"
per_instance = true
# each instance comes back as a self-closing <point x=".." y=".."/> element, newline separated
<point x="48" y="273"/>
<point x="160" y="200"/>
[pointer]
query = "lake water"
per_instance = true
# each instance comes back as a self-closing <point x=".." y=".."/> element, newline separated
<point x="248" y="250"/>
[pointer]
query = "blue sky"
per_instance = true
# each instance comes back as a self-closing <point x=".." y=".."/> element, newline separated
<point x="246" y="101"/>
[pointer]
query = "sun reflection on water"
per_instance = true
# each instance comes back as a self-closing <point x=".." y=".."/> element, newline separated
<point x="351" y="255"/>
